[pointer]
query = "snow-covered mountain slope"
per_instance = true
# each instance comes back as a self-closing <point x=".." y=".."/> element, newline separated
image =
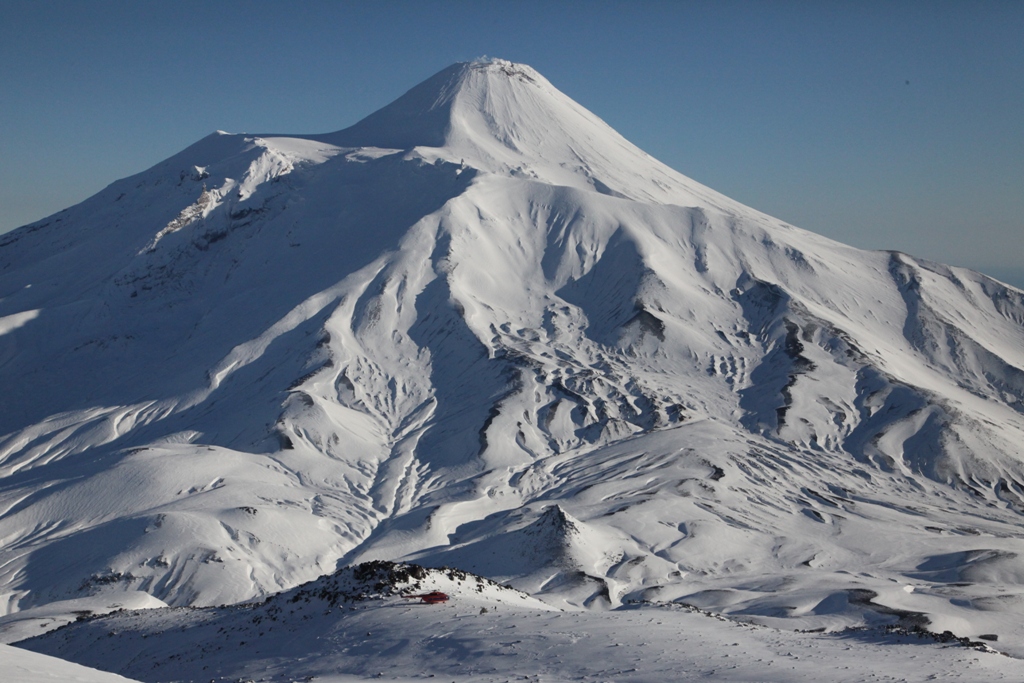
<point x="35" y="620"/>
<point x="22" y="666"/>
<point x="355" y="625"/>
<point x="481" y="329"/>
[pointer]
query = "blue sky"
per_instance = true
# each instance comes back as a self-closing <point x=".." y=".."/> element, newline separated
<point x="886" y="125"/>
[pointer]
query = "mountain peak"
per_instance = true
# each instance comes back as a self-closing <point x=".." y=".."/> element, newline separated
<point x="423" y="116"/>
<point x="502" y="117"/>
<point x="499" y="68"/>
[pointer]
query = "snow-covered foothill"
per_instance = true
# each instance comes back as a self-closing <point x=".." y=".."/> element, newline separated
<point x="355" y="626"/>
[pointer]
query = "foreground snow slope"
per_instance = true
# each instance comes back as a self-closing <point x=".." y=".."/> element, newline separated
<point x="479" y="328"/>
<point x="22" y="666"/>
<point x="488" y="634"/>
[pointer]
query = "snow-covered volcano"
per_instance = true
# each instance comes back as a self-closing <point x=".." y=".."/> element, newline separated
<point x="480" y="328"/>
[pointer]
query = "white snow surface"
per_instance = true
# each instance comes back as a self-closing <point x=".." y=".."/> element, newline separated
<point x="38" y="620"/>
<point x="22" y="666"/>
<point x="481" y="329"/>
<point x="340" y="628"/>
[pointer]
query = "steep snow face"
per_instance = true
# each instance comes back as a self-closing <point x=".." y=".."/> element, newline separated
<point x="506" y="118"/>
<point x="415" y="337"/>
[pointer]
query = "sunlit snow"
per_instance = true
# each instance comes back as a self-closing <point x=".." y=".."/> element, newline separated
<point x="481" y="329"/>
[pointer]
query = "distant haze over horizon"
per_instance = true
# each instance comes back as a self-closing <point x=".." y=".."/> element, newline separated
<point x="883" y="127"/>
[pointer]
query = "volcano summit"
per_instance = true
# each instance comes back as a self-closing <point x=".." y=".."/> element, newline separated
<point x="481" y="329"/>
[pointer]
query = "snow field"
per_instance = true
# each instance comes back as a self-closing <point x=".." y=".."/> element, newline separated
<point x="394" y="640"/>
<point x="480" y="329"/>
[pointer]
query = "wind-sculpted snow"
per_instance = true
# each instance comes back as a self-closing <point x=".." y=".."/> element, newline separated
<point x="480" y="329"/>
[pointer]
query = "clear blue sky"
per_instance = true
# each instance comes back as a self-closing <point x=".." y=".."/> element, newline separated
<point x="886" y="125"/>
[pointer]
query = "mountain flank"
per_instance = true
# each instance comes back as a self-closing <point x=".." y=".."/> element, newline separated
<point x="481" y="329"/>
